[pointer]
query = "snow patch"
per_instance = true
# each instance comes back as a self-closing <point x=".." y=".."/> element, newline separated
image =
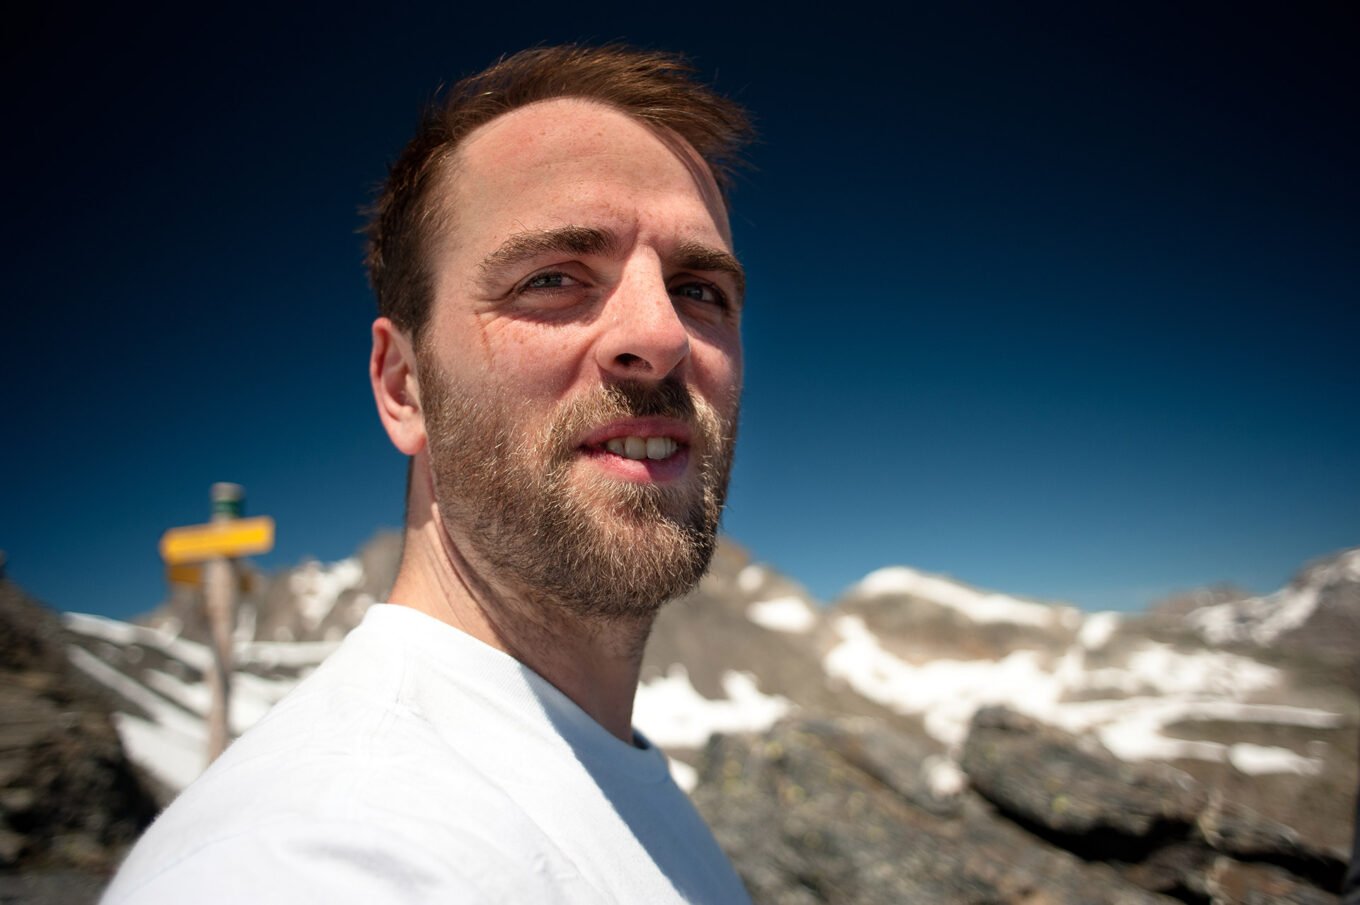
<point x="122" y="633"/>
<point x="1347" y="566"/>
<point x="944" y="777"/>
<point x="172" y="757"/>
<point x="194" y="697"/>
<point x="671" y="713"/>
<point x="170" y="739"/>
<point x="254" y="696"/>
<point x="171" y="717"/>
<point x="750" y="578"/>
<point x="272" y="654"/>
<point x="783" y="614"/>
<point x="1169" y="687"/>
<point x="1174" y="673"/>
<point x="1262" y="620"/>
<point x="946" y="693"/>
<point x="1097" y="629"/>
<point x="1257" y="619"/>
<point x="317" y="587"/>
<point x="685" y="776"/>
<point x="978" y="606"/>
<point x="245" y="623"/>
<point x="1257" y="759"/>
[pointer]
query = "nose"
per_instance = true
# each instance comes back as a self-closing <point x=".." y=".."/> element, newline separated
<point x="643" y="337"/>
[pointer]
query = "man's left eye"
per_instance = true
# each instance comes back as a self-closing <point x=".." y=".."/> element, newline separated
<point x="701" y="292"/>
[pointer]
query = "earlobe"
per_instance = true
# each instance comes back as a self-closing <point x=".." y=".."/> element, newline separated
<point x="396" y="390"/>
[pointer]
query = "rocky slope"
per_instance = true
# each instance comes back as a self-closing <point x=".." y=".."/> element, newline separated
<point x="919" y="740"/>
<point x="70" y="801"/>
<point x="841" y="811"/>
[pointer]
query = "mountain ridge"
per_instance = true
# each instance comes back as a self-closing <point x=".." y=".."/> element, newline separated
<point x="1264" y="720"/>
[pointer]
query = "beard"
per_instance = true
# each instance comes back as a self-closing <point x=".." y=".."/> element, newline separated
<point x="594" y="547"/>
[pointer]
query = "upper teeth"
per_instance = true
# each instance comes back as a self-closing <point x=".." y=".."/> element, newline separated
<point x="642" y="447"/>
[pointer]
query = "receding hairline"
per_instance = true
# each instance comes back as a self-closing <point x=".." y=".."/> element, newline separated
<point x="659" y="89"/>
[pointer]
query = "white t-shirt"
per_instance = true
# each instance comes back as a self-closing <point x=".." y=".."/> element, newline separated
<point x="419" y="765"/>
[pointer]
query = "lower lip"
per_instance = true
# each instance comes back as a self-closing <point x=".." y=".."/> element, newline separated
<point x="641" y="471"/>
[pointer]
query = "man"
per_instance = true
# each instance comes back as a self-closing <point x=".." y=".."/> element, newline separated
<point x="558" y="352"/>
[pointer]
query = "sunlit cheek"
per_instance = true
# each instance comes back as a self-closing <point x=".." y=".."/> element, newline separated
<point x="720" y="369"/>
<point x="539" y="365"/>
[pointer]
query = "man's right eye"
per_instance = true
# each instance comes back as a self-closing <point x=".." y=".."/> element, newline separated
<point x="553" y="279"/>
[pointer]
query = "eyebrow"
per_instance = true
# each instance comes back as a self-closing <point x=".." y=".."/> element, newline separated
<point x="697" y="256"/>
<point x="571" y="240"/>
<point x="586" y="240"/>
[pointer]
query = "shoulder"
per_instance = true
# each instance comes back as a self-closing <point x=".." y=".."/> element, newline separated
<point x="346" y="794"/>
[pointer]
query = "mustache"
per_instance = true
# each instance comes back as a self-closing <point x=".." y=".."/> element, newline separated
<point x="668" y="398"/>
<point x="632" y="399"/>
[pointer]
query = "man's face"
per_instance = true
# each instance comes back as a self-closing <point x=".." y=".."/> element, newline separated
<point x="581" y="369"/>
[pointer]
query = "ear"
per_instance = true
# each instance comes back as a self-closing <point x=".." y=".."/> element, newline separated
<point x="392" y="371"/>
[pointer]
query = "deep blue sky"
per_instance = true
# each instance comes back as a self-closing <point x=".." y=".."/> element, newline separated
<point x="1059" y="301"/>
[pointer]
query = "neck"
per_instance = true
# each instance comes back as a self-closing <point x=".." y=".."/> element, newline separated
<point x="593" y="662"/>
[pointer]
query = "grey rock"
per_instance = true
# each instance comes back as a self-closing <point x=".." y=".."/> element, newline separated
<point x="51" y="886"/>
<point x="1165" y="829"/>
<point x="1073" y="786"/>
<point x="1230" y="882"/>
<point x="806" y="822"/>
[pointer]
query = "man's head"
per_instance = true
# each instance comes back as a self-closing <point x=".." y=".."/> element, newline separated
<point x="413" y="210"/>
<point x="559" y="343"/>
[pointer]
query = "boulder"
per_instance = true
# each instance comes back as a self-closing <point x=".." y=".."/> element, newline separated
<point x="1162" y="827"/>
<point x="842" y="811"/>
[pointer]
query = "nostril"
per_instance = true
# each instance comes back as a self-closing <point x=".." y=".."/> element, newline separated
<point x="628" y="359"/>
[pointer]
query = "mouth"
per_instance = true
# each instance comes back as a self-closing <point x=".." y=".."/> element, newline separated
<point x="648" y="450"/>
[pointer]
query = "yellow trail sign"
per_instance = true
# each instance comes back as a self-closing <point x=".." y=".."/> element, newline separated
<point x="237" y="537"/>
<point x="190" y="574"/>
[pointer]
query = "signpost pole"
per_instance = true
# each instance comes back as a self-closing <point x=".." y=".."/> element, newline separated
<point x="214" y="548"/>
<point x="219" y="588"/>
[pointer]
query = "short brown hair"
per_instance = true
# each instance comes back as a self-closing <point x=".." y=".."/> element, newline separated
<point x="657" y="88"/>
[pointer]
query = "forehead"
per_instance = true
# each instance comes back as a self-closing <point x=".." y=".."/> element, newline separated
<point x="574" y="161"/>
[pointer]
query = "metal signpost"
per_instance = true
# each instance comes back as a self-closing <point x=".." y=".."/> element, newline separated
<point x="216" y="546"/>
